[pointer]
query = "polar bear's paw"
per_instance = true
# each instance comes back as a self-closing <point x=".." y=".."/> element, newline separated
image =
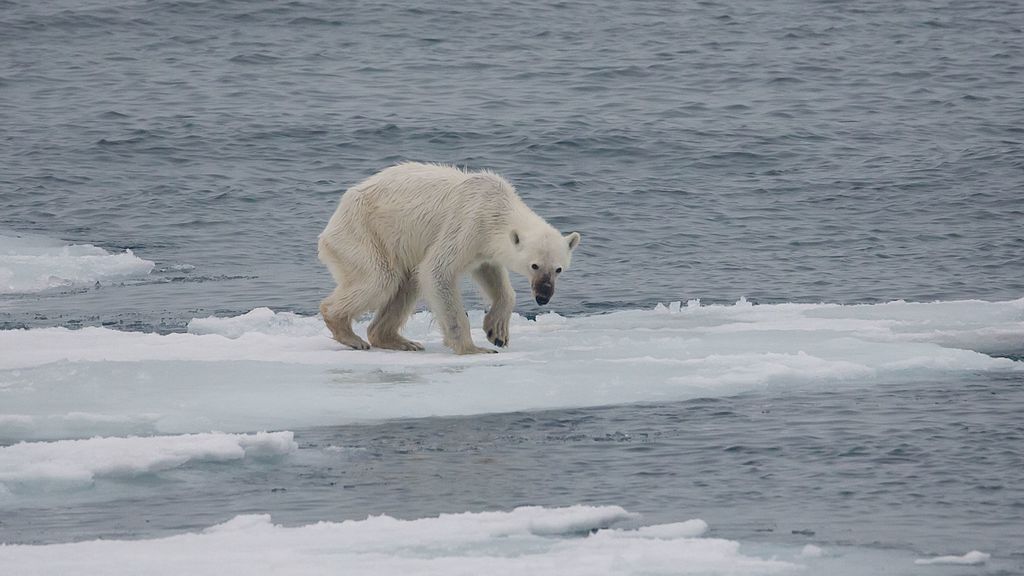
<point x="496" y="328"/>
<point x="353" y="342"/>
<point x="397" y="343"/>
<point x="467" y="347"/>
<point x="475" y="350"/>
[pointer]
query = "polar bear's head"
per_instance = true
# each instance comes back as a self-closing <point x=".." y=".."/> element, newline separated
<point x="541" y="255"/>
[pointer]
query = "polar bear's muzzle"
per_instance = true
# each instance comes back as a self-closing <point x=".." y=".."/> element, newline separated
<point x="543" y="289"/>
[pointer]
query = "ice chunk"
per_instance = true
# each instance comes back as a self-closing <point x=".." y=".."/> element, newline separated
<point x="811" y="551"/>
<point x="572" y="520"/>
<point x="497" y="543"/>
<point x="33" y="264"/>
<point x="266" y="370"/>
<point x="34" y="465"/>
<point x="972" y="558"/>
<point x="259" y="320"/>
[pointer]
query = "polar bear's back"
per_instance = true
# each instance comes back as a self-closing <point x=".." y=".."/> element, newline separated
<point x="431" y="186"/>
<point x="400" y="212"/>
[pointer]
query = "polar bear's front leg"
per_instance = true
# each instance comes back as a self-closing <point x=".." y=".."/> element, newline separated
<point x="441" y="289"/>
<point x="493" y="280"/>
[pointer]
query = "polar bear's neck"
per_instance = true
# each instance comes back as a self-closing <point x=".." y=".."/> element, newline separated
<point x="522" y="218"/>
<point x="527" y="226"/>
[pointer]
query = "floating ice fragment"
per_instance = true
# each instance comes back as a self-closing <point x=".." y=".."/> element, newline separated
<point x="573" y="520"/>
<point x="972" y="558"/>
<point x="278" y="370"/>
<point x="811" y="551"/>
<point x="33" y="264"/>
<point x="494" y="543"/>
<point x="34" y="465"/>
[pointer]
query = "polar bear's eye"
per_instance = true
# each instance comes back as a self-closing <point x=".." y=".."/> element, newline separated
<point x="534" y="266"/>
<point x="558" y="270"/>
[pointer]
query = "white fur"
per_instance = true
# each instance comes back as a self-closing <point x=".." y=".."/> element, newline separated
<point x="418" y="227"/>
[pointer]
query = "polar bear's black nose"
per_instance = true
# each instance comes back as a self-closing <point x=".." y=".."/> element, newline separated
<point x="543" y="289"/>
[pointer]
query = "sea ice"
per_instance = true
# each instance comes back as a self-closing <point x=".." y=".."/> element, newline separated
<point x="33" y="264"/>
<point x="72" y="463"/>
<point x="811" y="551"/>
<point x="972" y="558"/>
<point x="578" y="540"/>
<point x="272" y="371"/>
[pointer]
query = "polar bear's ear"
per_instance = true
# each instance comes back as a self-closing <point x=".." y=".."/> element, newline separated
<point x="514" y="236"/>
<point x="573" y="238"/>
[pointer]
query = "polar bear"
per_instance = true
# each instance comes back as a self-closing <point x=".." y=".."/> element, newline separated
<point x="417" y="228"/>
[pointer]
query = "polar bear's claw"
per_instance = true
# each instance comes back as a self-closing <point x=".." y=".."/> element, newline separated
<point x="472" y="349"/>
<point x="496" y="327"/>
<point x="397" y="343"/>
<point x="355" y="343"/>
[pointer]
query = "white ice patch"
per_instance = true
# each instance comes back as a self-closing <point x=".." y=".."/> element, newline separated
<point x="33" y="264"/>
<point x="972" y="558"/>
<point x="811" y="551"/>
<point x="529" y="540"/>
<point x="260" y="320"/>
<point x="74" y="463"/>
<point x="266" y="370"/>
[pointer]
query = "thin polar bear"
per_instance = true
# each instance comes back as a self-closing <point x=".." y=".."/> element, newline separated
<point x="416" y="228"/>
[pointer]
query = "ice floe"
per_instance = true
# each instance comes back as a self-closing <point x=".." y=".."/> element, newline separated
<point x="71" y="463"/>
<point x="972" y="558"/>
<point x="530" y="540"/>
<point x="268" y="370"/>
<point x="33" y="263"/>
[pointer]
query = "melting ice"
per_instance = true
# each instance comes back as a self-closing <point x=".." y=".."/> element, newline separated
<point x="33" y="264"/>
<point x="273" y="371"/>
<point x="80" y="407"/>
<point x="580" y="540"/>
<point x="35" y="466"/>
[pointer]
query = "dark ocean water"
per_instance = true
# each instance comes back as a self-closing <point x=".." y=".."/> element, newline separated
<point x="791" y="151"/>
<point x="923" y="466"/>
<point x="783" y="151"/>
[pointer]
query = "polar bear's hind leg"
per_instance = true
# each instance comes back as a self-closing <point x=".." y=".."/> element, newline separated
<point x="384" y="330"/>
<point x="340" y="308"/>
<point x="365" y="282"/>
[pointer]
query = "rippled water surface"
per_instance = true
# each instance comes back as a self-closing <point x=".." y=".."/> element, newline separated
<point x="808" y="151"/>
<point x="918" y="466"/>
<point x="791" y="151"/>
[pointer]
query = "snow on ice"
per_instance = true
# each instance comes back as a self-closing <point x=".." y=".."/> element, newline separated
<point x="268" y="370"/>
<point x="529" y="540"/>
<point x="77" y="405"/>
